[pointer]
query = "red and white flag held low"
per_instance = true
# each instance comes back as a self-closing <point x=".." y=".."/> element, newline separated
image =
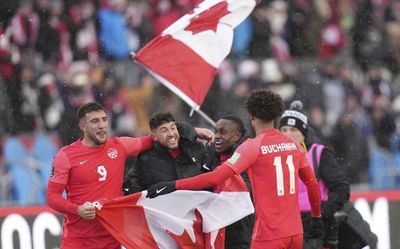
<point x="185" y="57"/>
<point x="182" y="219"/>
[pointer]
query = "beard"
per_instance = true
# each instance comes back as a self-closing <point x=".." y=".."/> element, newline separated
<point x="96" y="140"/>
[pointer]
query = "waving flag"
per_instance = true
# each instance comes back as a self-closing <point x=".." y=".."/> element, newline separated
<point x="182" y="219"/>
<point x="185" y="57"/>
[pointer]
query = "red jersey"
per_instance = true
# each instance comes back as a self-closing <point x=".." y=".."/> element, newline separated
<point x="272" y="161"/>
<point x="90" y="174"/>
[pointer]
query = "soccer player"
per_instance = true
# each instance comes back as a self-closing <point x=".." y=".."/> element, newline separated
<point x="274" y="162"/>
<point x="229" y="134"/>
<point x="90" y="169"/>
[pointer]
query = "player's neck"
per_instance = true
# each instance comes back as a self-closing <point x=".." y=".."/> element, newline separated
<point x="89" y="142"/>
<point x="262" y="126"/>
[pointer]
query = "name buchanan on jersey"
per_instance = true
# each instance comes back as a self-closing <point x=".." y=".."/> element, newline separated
<point x="274" y="148"/>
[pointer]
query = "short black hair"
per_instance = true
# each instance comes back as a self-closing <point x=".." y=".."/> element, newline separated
<point x="265" y="105"/>
<point x="89" y="107"/>
<point x="160" y="118"/>
<point x="236" y="120"/>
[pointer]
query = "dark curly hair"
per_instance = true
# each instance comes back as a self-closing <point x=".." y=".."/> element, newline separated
<point x="160" y="118"/>
<point x="265" y="105"/>
<point x="89" y="107"/>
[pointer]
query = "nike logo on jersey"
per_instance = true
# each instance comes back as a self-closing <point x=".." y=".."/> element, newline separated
<point x="82" y="162"/>
<point x="161" y="189"/>
<point x="205" y="166"/>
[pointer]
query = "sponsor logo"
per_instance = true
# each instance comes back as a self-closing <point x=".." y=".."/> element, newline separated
<point x="161" y="189"/>
<point x="205" y="166"/>
<point x="291" y="121"/>
<point x="234" y="158"/>
<point x="82" y="162"/>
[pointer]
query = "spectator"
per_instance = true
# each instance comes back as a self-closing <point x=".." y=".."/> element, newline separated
<point x="260" y="46"/>
<point x="82" y="25"/>
<point x="334" y="94"/>
<point x="383" y="123"/>
<point x="49" y="102"/>
<point x="350" y="138"/>
<point x="53" y="40"/>
<point x="28" y="157"/>
<point x="114" y="33"/>
<point x="25" y="26"/>
<point x="375" y="86"/>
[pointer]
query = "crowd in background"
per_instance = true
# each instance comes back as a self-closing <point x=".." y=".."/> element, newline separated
<point x="340" y="58"/>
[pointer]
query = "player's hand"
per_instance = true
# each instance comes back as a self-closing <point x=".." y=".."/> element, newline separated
<point x="205" y="134"/>
<point x="161" y="188"/>
<point x="315" y="228"/>
<point x="87" y="211"/>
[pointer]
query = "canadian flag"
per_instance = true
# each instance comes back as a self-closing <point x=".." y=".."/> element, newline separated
<point x="185" y="57"/>
<point x="182" y="219"/>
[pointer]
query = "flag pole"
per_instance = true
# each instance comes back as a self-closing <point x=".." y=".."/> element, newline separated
<point x="177" y="91"/>
<point x="207" y="118"/>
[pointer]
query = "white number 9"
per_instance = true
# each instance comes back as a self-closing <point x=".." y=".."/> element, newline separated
<point x="102" y="172"/>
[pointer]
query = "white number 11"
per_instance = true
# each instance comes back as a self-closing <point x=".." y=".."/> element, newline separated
<point x="279" y="175"/>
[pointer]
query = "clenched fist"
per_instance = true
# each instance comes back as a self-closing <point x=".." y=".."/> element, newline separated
<point x="87" y="211"/>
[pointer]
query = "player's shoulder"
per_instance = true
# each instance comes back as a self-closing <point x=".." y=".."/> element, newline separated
<point x="121" y="141"/>
<point x="63" y="153"/>
<point x="250" y="144"/>
<point x="77" y="145"/>
<point x="115" y="140"/>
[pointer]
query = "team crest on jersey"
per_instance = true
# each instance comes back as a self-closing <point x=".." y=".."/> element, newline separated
<point x="112" y="153"/>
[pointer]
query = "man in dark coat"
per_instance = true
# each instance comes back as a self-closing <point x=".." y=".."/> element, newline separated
<point x="229" y="134"/>
<point x="176" y="155"/>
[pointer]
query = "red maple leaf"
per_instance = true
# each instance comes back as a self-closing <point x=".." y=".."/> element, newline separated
<point x="208" y="19"/>
<point x="185" y="242"/>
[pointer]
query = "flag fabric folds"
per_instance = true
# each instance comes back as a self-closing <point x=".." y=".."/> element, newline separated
<point x="182" y="219"/>
<point x="185" y="57"/>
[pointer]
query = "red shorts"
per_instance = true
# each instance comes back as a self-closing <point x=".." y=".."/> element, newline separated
<point x="102" y="242"/>
<point x="291" y="242"/>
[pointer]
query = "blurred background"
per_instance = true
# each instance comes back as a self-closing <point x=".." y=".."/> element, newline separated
<point x="340" y="57"/>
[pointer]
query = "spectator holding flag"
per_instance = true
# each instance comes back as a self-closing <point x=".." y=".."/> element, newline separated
<point x="274" y="163"/>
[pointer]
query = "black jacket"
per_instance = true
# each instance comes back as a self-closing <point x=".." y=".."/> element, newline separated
<point x="156" y="165"/>
<point x="333" y="175"/>
<point x="335" y="178"/>
<point x="238" y="234"/>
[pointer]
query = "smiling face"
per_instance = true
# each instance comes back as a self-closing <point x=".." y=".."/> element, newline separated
<point x="95" y="128"/>
<point x="167" y="135"/>
<point x="293" y="133"/>
<point x="227" y="134"/>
